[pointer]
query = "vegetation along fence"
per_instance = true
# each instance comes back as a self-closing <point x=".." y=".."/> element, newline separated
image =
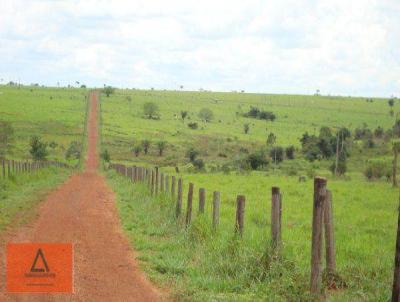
<point x="13" y="167"/>
<point x="322" y="217"/>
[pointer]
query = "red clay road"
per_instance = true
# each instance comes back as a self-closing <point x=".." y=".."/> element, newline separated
<point x="82" y="211"/>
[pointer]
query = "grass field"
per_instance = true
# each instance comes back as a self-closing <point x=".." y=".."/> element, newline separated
<point x="124" y="125"/>
<point x="204" y="267"/>
<point x="55" y="114"/>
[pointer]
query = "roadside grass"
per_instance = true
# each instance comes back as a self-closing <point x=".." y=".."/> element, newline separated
<point x="199" y="265"/>
<point x="20" y="194"/>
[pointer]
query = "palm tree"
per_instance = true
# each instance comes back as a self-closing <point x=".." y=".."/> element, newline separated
<point x="161" y="145"/>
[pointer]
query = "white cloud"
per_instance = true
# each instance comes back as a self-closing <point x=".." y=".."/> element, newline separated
<point x="339" y="46"/>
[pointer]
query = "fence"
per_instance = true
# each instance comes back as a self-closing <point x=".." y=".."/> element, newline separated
<point x="322" y="216"/>
<point x="13" y="167"/>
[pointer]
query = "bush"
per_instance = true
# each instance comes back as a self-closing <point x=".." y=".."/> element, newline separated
<point x="105" y="156"/>
<point x="376" y="169"/>
<point x="257" y="160"/>
<point x="108" y="90"/>
<point x="38" y="148"/>
<point x="271" y="139"/>
<point x="276" y="154"/>
<point x="161" y="145"/>
<point x="150" y="110"/>
<point x="198" y="164"/>
<point x="246" y="128"/>
<point x="74" y="151"/>
<point x="379" y="132"/>
<point x="289" y="151"/>
<point x="146" y="145"/>
<point x="254" y="112"/>
<point x="192" y="154"/>
<point x="206" y="115"/>
<point x="137" y="149"/>
<point x="193" y="125"/>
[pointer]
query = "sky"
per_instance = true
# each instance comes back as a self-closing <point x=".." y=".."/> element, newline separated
<point x="341" y="47"/>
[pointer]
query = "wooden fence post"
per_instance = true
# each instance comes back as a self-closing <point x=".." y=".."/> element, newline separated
<point x="202" y="200"/>
<point x="179" y="199"/>
<point x="3" y="163"/>
<point x="317" y="225"/>
<point x="173" y="186"/>
<point x="396" y="274"/>
<point x="239" y="224"/>
<point x="276" y="217"/>
<point x="157" y="180"/>
<point x="162" y="182"/>
<point x="167" y="184"/>
<point x="215" y="211"/>
<point x="189" y="205"/>
<point x="329" y="233"/>
<point x="153" y="177"/>
<point x="8" y="168"/>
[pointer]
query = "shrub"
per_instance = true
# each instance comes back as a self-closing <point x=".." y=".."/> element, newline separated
<point x="105" y="156"/>
<point x="184" y="115"/>
<point x="206" y="115"/>
<point x="257" y="160"/>
<point x="276" y="153"/>
<point x="289" y="151"/>
<point x="192" y="154"/>
<point x="376" y="169"/>
<point x="38" y="148"/>
<point x="161" y="145"/>
<point x="74" y="151"/>
<point x="198" y="164"/>
<point x="150" y="110"/>
<point x="193" y="125"/>
<point x="108" y="90"/>
<point x="379" y="132"/>
<point x="246" y="128"/>
<point x="342" y="165"/>
<point x="137" y="149"/>
<point x="271" y="139"/>
<point x="146" y="145"/>
<point x="254" y="112"/>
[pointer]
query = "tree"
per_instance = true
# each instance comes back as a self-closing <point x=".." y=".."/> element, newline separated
<point x="192" y="154"/>
<point x="271" y="139"/>
<point x="246" y="128"/>
<point x="108" y="90"/>
<point x="146" y="145"/>
<point x="73" y="151"/>
<point x="150" y="110"/>
<point x="290" y="152"/>
<point x="38" y="148"/>
<point x="137" y="149"/>
<point x="206" y="115"/>
<point x="276" y="153"/>
<point x="6" y="138"/>
<point x="161" y="145"/>
<point x="105" y="156"/>
<point x="184" y="115"/>
<point x="391" y="103"/>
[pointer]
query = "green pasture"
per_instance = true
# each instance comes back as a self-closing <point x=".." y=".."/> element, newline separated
<point x="55" y="114"/>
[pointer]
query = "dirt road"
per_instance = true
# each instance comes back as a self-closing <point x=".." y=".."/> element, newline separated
<point x="82" y="211"/>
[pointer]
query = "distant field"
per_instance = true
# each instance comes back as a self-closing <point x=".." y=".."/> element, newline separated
<point x="123" y="125"/>
<point x="364" y="211"/>
<point x="55" y="114"/>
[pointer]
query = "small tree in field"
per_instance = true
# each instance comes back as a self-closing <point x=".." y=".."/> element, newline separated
<point x="6" y="138"/>
<point x="137" y="149"/>
<point x="105" y="156"/>
<point x="146" y="145"/>
<point x="150" y="110"/>
<point x="108" y="90"/>
<point x="206" y="115"/>
<point x="38" y="148"/>
<point x="271" y="139"/>
<point x="184" y="115"/>
<point x="161" y="145"/>
<point x="246" y="128"/>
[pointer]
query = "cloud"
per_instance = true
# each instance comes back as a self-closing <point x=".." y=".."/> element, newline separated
<point x="340" y="47"/>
